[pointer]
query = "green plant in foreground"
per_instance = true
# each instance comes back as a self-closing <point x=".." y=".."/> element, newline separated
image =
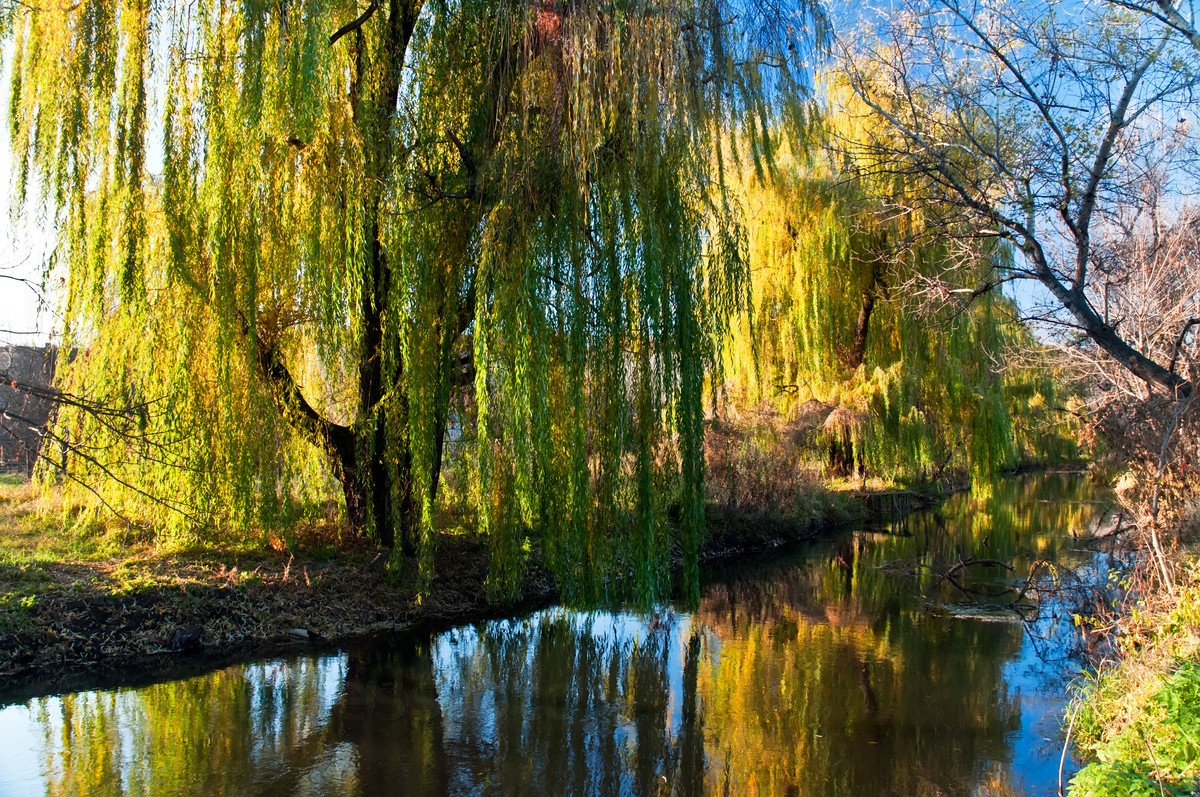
<point x="1140" y="723"/>
<point x="1163" y="742"/>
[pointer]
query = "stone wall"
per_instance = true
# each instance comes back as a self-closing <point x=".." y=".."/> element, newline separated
<point x="22" y="415"/>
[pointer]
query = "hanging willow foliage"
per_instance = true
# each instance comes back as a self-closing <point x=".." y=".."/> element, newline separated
<point x="833" y="318"/>
<point x="404" y="237"/>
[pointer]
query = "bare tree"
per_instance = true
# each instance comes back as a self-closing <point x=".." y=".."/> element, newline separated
<point x="1044" y="125"/>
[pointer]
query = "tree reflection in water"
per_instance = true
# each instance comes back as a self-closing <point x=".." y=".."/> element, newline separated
<point x="828" y="673"/>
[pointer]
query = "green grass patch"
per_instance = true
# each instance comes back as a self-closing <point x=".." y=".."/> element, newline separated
<point x="16" y="614"/>
<point x="1139" y="723"/>
<point x="13" y="479"/>
<point x="48" y="549"/>
<point x="36" y="527"/>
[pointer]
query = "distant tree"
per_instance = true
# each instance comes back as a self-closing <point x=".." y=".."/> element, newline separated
<point x="832" y="268"/>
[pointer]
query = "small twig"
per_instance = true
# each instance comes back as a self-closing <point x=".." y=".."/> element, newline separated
<point x="1192" y="322"/>
<point x="969" y="561"/>
<point x="468" y="163"/>
<point x="1029" y="581"/>
<point x="1062" y="761"/>
<point x="1153" y="761"/>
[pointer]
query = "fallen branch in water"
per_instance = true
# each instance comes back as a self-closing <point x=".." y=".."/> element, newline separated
<point x="949" y="575"/>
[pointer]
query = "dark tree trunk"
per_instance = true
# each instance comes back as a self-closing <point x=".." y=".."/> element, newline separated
<point x="373" y="459"/>
<point x="356" y="454"/>
<point x="346" y="470"/>
<point x="841" y="454"/>
<point x="378" y="492"/>
<point x="863" y="326"/>
<point x="859" y="351"/>
<point x="382" y="458"/>
<point x="381" y="455"/>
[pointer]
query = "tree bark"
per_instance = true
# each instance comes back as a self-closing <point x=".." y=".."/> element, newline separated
<point x="340" y="443"/>
<point x="863" y="326"/>
<point x="388" y="486"/>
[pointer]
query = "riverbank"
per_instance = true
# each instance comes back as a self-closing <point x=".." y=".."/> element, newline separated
<point x="87" y="604"/>
<point x="1137" y="720"/>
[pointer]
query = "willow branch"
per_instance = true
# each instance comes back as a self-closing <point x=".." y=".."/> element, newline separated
<point x="356" y="24"/>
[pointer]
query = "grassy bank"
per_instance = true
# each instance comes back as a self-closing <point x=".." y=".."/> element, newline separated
<point x="81" y="594"/>
<point x="82" y="597"/>
<point x="1138" y="720"/>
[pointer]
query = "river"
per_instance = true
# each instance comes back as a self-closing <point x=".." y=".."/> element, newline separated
<point x="883" y="661"/>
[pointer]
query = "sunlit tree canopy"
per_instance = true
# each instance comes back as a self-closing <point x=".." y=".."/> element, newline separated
<point x="850" y="322"/>
<point x="344" y="239"/>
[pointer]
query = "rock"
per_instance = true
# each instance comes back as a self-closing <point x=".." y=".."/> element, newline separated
<point x="1114" y="521"/>
<point x="186" y="639"/>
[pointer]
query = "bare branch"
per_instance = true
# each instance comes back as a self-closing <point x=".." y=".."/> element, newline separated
<point x="1187" y="327"/>
<point x="1168" y="14"/>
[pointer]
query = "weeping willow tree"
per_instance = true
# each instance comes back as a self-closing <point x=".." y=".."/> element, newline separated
<point x="919" y="375"/>
<point x="326" y="238"/>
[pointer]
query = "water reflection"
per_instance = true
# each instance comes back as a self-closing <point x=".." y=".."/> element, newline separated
<point x="844" y="669"/>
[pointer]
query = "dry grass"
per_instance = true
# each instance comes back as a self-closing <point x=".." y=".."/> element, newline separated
<point x="760" y="464"/>
<point x="764" y="486"/>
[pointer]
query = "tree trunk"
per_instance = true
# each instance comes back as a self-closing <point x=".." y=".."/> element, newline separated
<point x="387" y="503"/>
<point x="859" y="351"/>
<point x="841" y="455"/>
<point x="863" y="326"/>
<point x="372" y="460"/>
<point x="1102" y="334"/>
<point x="357" y="455"/>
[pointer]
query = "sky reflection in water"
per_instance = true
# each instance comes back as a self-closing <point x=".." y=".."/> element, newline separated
<point x="837" y="669"/>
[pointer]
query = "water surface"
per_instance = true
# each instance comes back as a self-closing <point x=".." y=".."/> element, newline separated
<point x="849" y="667"/>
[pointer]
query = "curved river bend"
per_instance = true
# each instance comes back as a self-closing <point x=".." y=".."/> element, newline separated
<point x="851" y="667"/>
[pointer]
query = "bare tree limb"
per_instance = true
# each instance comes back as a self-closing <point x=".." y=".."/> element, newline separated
<point x="1187" y="327"/>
